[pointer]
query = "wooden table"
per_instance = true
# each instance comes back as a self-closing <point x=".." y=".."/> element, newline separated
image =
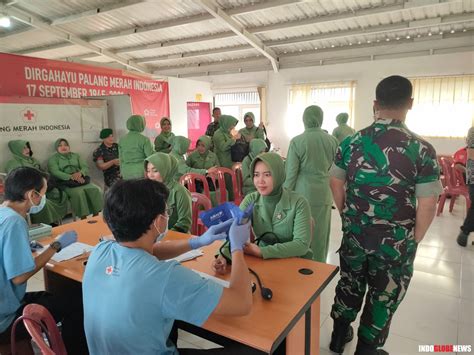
<point x="268" y="324"/>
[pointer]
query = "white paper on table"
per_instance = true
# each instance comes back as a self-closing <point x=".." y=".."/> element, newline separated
<point x="189" y="255"/>
<point x="71" y="251"/>
<point x="217" y="280"/>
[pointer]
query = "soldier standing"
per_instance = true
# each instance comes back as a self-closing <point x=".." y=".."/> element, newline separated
<point x="385" y="183"/>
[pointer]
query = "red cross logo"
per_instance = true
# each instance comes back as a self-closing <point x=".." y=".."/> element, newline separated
<point x="109" y="270"/>
<point x="28" y="115"/>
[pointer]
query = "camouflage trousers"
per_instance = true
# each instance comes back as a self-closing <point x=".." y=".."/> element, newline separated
<point x="385" y="265"/>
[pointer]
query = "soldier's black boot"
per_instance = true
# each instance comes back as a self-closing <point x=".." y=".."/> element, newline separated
<point x="368" y="349"/>
<point x="462" y="238"/>
<point x="342" y="333"/>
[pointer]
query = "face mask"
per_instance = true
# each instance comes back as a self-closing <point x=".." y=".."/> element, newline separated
<point x="161" y="235"/>
<point x="37" y="208"/>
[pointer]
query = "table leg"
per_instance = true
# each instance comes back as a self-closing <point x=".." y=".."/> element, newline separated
<point x="300" y="342"/>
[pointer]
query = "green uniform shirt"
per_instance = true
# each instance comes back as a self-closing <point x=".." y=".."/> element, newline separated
<point x="203" y="161"/>
<point x="386" y="166"/>
<point x="163" y="142"/>
<point x="223" y="140"/>
<point x="180" y="147"/>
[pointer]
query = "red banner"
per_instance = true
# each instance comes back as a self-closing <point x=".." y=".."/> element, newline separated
<point x="35" y="77"/>
<point x="199" y="116"/>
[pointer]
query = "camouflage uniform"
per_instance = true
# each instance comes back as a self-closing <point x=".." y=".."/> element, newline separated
<point x="385" y="167"/>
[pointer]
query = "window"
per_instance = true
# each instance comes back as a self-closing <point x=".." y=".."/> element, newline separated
<point x="443" y="106"/>
<point x="333" y="98"/>
<point x="237" y="104"/>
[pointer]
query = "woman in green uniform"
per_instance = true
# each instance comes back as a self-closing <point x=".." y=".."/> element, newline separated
<point x="251" y="131"/>
<point x="257" y="146"/>
<point x="223" y="140"/>
<point x="134" y="147"/>
<point x="56" y="201"/>
<point x="162" y="167"/>
<point x="72" y="173"/>
<point x="179" y="147"/>
<point x="281" y="219"/>
<point x="202" y="157"/>
<point x="163" y="140"/>
<point x="342" y="130"/>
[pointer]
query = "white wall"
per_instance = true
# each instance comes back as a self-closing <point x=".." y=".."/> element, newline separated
<point x="181" y="92"/>
<point x="367" y="75"/>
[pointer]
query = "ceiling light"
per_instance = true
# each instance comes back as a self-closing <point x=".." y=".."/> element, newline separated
<point x="350" y="43"/>
<point x="440" y="32"/>
<point x="418" y="35"/>
<point x="378" y="40"/>
<point x="408" y="37"/>
<point x="429" y="33"/>
<point x="369" y="41"/>
<point x="315" y="48"/>
<point x="359" y="42"/>
<point x="5" y="21"/>
<point x="387" y="39"/>
<point x="452" y="31"/>
<point x="332" y="45"/>
<point x="301" y="50"/>
<point x="464" y="30"/>
<point x="398" y="38"/>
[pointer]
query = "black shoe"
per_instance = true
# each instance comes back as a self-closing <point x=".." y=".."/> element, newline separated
<point x="340" y="336"/>
<point x="366" y="349"/>
<point x="462" y="239"/>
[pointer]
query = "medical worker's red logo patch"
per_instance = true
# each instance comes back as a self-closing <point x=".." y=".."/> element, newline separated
<point x="109" y="270"/>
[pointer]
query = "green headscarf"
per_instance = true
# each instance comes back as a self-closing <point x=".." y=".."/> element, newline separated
<point x="165" y="134"/>
<point x="16" y="147"/>
<point x="56" y="145"/>
<point x="206" y="140"/>
<point x="180" y="145"/>
<point x="226" y="122"/>
<point x="136" y="123"/>
<point x="167" y="165"/>
<point x="277" y="168"/>
<point x="342" y="118"/>
<point x="251" y="115"/>
<point x="257" y="146"/>
<point x="106" y="132"/>
<point x="313" y="117"/>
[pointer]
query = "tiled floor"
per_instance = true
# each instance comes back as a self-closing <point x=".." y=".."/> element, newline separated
<point x="439" y="305"/>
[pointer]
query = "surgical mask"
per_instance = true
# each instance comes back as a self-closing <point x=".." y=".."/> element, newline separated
<point x="37" y="208"/>
<point x="161" y="235"/>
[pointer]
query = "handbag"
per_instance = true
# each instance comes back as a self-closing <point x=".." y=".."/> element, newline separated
<point x="267" y="141"/>
<point x="74" y="183"/>
<point x="239" y="150"/>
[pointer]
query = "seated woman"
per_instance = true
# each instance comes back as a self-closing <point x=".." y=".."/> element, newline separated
<point x="180" y="146"/>
<point x="71" y="173"/>
<point x="257" y="146"/>
<point x="203" y="158"/>
<point x="250" y="131"/>
<point x="163" y="140"/>
<point x="162" y="167"/>
<point x="281" y="218"/>
<point x="56" y="201"/>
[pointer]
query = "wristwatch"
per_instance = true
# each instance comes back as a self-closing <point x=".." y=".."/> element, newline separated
<point x="56" y="246"/>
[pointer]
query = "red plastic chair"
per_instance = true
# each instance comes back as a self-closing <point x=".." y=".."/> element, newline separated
<point x="189" y="181"/>
<point x="221" y="190"/>
<point x="39" y="322"/>
<point x="453" y="188"/>
<point x="199" y="203"/>
<point x="237" y="169"/>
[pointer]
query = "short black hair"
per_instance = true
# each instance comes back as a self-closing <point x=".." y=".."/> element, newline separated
<point x="215" y="109"/>
<point x="21" y="180"/>
<point x="132" y="205"/>
<point x="393" y="92"/>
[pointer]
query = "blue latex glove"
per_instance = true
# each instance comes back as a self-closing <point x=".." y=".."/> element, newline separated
<point x="219" y="231"/>
<point x="239" y="234"/>
<point x="67" y="238"/>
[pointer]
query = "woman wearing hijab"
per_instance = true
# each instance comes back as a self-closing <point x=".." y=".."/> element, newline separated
<point x="163" y="140"/>
<point x="162" y="167"/>
<point x="202" y="157"/>
<point x="343" y="130"/>
<point x="281" y="218"/>
<point x="223" y="140"/>
<point x="134" y="147"/>
<point x="309" y="159"/>
<point x="56" y="201"/>
<point x="251" y="131"/>
<point x="257" y="146"/>
<point x="72" y="175"/>
<point x="179" y="148"/>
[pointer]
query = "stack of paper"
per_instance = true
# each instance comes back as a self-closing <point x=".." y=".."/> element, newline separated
<point x="190" y="255"/>
<point x="71" y="251"/>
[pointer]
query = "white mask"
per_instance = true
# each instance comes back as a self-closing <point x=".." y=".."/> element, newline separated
<point x="161" y="235"/>
<point x="37" y="208"/>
